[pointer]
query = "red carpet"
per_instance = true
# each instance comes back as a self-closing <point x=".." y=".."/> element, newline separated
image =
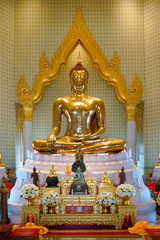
<point x="90" y="233"/>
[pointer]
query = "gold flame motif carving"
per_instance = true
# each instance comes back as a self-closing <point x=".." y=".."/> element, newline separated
<point x="79" y="34"/>
<point x="20" y="120"/>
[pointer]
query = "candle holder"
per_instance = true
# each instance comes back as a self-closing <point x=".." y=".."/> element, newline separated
<point x="72" y="209"/>
<point x="86" y="209"/>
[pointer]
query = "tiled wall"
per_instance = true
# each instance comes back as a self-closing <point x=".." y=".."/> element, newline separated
<point x="7" y="83"/>
<point x="115" y="25"/>
<point x="152" y="81"/>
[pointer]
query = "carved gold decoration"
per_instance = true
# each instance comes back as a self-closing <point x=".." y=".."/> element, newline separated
<point x="47" y="190"/>
<point x="138" y="118"/>
<point x="27" y="113"/>
<point x="30" y="210"/>
<point x="20" y="120"/>
<point x="65" y="185"/>
<point x="131" y="112"/>
<point x="79" y="219"/>
<point x="25" y="99"/>
<point x="24" y="96"/>
<point x="79" y="34"/>
<point x="127" y="210"/>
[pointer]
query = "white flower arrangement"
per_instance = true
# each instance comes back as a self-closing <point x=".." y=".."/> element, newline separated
<point x="106" y="198"/>
<point x="29" y="191"/>
<point x="124" y="190"/>
<point x="51" y="198"/>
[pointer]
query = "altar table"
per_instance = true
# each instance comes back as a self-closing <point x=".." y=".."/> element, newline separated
<point x="78" y="219"/>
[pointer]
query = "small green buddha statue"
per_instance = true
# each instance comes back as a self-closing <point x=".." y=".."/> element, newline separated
<point x="79" y="185"/>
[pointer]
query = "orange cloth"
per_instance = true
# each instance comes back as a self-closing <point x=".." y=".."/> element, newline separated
<point x="42" y="230"/>
<point x="140" y="228"/>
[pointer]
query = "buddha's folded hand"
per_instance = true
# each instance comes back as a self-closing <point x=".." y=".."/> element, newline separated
<point x="51" y="139"/>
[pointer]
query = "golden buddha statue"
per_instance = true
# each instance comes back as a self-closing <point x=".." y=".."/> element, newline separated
<point x="105" y="180"/>
<point x="52" y="179"/>
<point x="85" y="117"/>
<point x="52" y="172"/>
<point x="106" y="185"/>
<point x="2" y="165"/>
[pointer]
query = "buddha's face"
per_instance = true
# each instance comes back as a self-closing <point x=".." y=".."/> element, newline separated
<point x="79" y="80"/>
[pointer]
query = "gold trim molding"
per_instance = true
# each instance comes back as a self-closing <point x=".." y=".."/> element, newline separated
<point x="79" y="34"/>
<point x="20" y="119"/>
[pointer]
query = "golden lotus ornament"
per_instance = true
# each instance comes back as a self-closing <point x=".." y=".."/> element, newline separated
<point x="29" y="201"/>
<point x="51" y="209"/>
<point x="126" y="200"/>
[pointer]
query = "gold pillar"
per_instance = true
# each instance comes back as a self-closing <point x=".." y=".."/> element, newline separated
<point x="27" y="113"/>
<point x="131" y="112"/>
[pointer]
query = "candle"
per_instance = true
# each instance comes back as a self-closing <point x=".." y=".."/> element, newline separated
<point x="86" y="197"/>
<point x="72" y="196"/>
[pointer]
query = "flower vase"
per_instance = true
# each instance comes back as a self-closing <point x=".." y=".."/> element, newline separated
<point x="105" y="208"/>
<point x="29" y="201"/>
<point x="51" y="209"/>
<point x="126" y="200"/>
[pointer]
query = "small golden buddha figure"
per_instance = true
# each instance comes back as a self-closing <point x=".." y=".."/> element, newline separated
<point x="52" y="172"/>
<point x="85" y="117"/>
<point x="2" y="165"/>
<point x="106" y="185"/>
<point x="105" y="180"/>
<point x="52" y="179"/>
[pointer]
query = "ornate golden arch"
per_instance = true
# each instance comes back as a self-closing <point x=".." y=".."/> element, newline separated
<point x="79" y="34"/>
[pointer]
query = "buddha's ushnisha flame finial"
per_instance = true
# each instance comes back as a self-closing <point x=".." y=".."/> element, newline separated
<point x="79" y="59"/>
<point x="79" y="66"/>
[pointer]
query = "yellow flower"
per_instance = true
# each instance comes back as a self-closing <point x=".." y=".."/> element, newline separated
<point x="30" y="225"/>
<point x="141" y="231"/>
<point x="139" y="228"/>
<point x="131" y="230"/>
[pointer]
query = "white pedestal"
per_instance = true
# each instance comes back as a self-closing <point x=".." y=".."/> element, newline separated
<point x="2" y="173"/>
<point x="156" y="173"/>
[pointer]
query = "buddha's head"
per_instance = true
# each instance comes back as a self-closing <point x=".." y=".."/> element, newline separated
<point x="79" y="78"/>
